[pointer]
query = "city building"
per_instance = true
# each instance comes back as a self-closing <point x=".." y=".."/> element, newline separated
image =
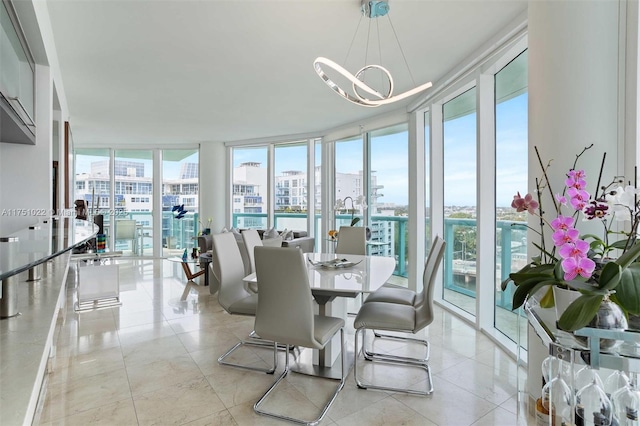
<point x="216" y="77"/>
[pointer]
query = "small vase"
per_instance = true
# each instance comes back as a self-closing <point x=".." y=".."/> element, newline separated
<point x="609" y="317"/>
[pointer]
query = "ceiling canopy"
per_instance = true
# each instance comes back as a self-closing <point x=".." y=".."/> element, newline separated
<point x="172" y="72"/>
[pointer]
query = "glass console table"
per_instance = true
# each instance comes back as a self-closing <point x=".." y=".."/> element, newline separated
<point x="588" y="351"/>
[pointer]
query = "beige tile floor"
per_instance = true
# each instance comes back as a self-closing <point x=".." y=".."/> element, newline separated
<point x="153" y="361"/>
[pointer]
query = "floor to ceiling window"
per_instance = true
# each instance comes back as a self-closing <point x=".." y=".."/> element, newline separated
<point x="119" y="184"/>
<point x="92" y="183"/>
<point x="133" y="173"/>
<point x="290" y="195"/>
<point x="389" y="194"/>
<point x="249" y="192"/>
<point x="511" y="176"/>
<point x="460" y="180"/>
<point x="180" y="187"/>
<point x="348" y="179"/>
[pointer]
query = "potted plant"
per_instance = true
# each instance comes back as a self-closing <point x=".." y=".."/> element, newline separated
<point x="601" y="270"/>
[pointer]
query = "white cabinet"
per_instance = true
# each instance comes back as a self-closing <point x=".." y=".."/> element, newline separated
<point x="17" y="80"/>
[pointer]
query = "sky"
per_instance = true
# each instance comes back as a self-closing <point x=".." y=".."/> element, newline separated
<point x="170" y="169"/>
<point x="389" y="158"/>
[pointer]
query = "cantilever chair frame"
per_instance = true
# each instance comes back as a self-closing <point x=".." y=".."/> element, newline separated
<point x="257" y="405"/>
<point x="425" y="297"/>
<point x="418" y="299"/>
<point x="308" y="320"/>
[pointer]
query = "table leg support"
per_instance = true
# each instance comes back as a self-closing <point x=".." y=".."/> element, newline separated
<point x="9" y="300"/>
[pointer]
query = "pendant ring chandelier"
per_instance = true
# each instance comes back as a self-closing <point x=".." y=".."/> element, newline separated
<point x="371" y="9"/>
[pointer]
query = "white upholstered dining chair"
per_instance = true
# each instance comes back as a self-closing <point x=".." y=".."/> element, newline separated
<point x="286" y="315"/>
<point x="390" y="293"/>
<point x="400" y="317"/>
<point x="232" y="295"/>
<point x="251" y="240"/>
<point x="352" y="240"/>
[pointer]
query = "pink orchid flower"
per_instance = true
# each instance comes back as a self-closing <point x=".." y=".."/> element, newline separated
<point x="562" y="222"/>
<point x="524" y="204"/>
<point x="561" y="199"/>
<point x="573" y="267"/>
<point x="562" y="237"/>
<point x="578" y="249"/>
<point x="577" y="174"/>
<point x="575" y="183"/>
<point x="580" y="194"/>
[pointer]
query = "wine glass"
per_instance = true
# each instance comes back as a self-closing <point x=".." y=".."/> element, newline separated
<point x="585" y="376"/>
<point x="615" y="381"/>
<point x="552" y="365"/>
<point x="593" y="408"/>
<point x="557" y="398"/>
<point x="626" y="403"/>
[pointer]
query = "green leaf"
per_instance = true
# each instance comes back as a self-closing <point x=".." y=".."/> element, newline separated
<point x="610" y="276"/>
<point x="629" y="256"/>
<point x="558" y="272"/>
<point x="354" y="221"/>
<point x="547" y="301"/>
<point x="595" y="238"/>
<point x="526" y="272"/>
<point x="580" y="312"/>
<point x="620" y="244"/>
<point x="527" y="288"/>
<point x="628" y="289"/>
<point x="585" y="288"/>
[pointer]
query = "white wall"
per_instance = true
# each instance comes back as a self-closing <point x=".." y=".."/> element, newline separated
<point x="26" y="186"/>
<point x="575" y="82"/>
<point x="213" y="184"/>
<point x="25" y="170"/>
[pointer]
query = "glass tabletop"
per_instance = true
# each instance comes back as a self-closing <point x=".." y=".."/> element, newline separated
<point x="40" y="242"/>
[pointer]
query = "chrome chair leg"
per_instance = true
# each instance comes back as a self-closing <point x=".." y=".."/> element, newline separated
<point x="257" y="408"/>
<point x="394" y="360"/>
<point x="369" y="355"/>
<point x="251" y="342"/>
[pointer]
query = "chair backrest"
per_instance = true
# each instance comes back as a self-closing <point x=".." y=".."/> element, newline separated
<point x="285" y="304"/>
<point x="125" y="229"/>
<point x="352" y="240"/>
<point x="424" y="310"/>
<point x="251" y="239"/>
<point x="229" y="269"/>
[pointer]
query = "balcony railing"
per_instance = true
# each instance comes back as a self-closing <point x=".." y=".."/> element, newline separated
<point x="176" y="233"/>
<point x="460" y="256"/>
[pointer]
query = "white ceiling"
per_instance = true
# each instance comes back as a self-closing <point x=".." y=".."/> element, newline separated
<point x="169" y="71"/>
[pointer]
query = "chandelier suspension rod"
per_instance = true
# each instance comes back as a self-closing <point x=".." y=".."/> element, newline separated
<point x="406" y="63"/>
<point x="353" y="39"/>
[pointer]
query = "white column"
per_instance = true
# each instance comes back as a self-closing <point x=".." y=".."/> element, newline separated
<point x="416" y="208"/>
<point x="574" y="101"/>
<point x="573" y="88"/>
<point x="213" y="184"/>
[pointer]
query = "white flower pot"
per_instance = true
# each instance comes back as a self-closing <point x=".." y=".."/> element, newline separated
<point x="563" y="299"/>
